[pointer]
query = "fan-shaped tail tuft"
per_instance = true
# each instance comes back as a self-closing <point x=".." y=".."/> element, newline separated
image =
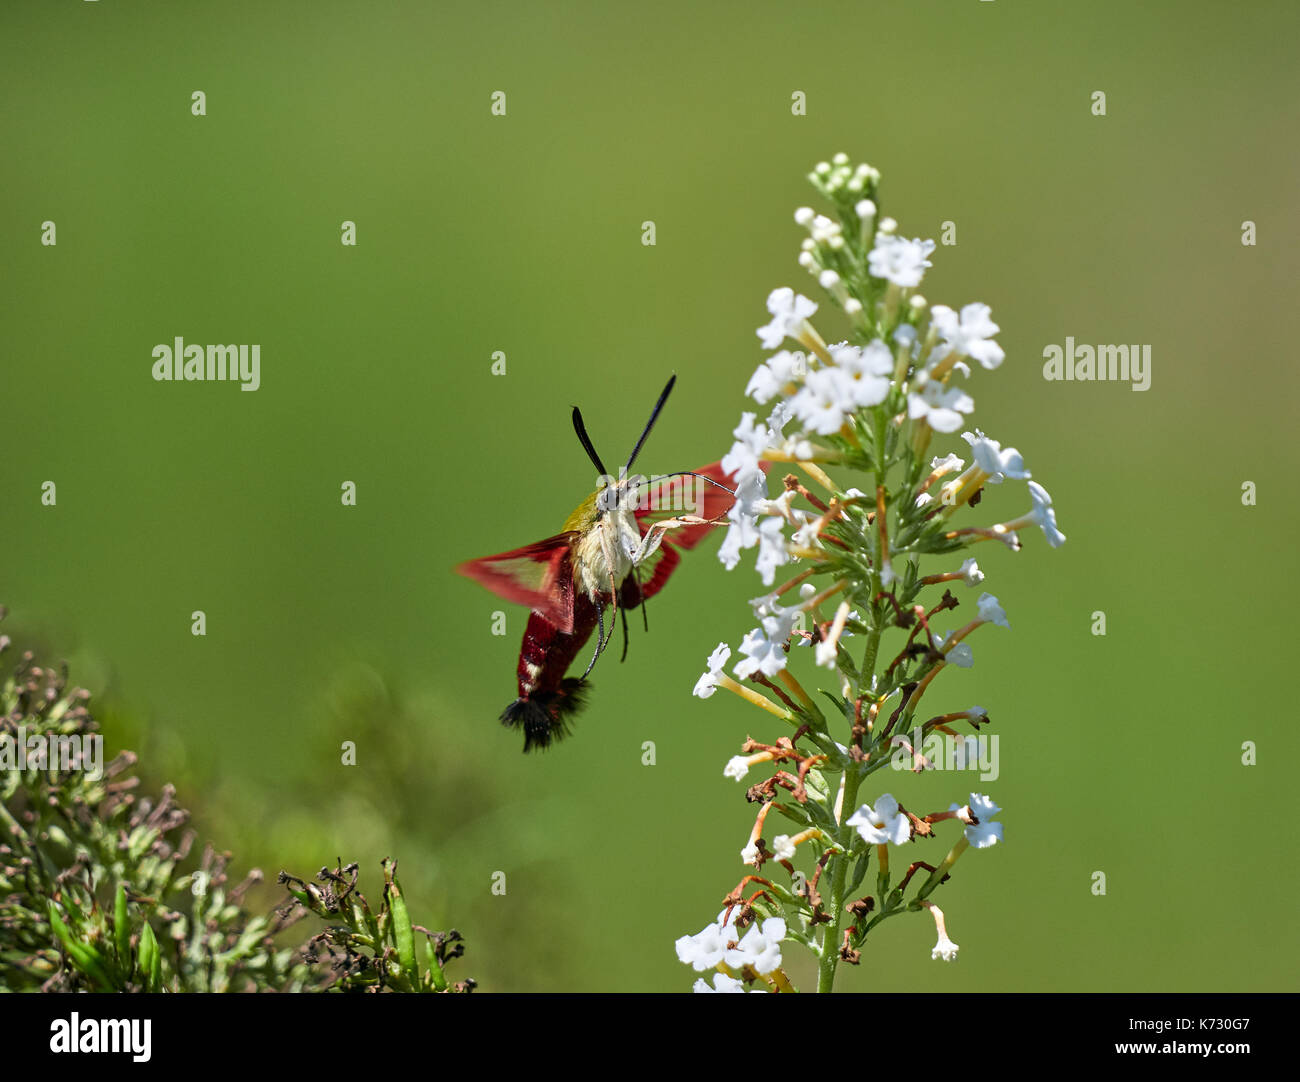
<point x="544" y="715"/>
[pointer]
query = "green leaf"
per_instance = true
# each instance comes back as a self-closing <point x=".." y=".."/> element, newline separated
<point x="403" y="936"/>
<point x="83" y="956"/>
<point x="150" y="959"/>
<point x="842" y="705"/>
<point x="859" y="872"/>
<point x="122" y="931"/>
<point x="435" y="970"/>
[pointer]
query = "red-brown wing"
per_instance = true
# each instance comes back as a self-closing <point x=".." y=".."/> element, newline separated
<point x="685" y="495"/>
<point x="538" y="575"/>
<point x="675" y="496"/>
<point x="651" y="573"/>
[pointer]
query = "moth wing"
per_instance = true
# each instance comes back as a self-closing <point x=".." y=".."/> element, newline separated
<point x="538" y="575"/>
<point x="650" y="575"/>
<point x="672" y="496"/>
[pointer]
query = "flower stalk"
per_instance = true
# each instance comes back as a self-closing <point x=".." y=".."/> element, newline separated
<point x="859" y="417"/>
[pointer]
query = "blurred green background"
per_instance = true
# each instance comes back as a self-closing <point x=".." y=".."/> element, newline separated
<point x="522" y="234"/>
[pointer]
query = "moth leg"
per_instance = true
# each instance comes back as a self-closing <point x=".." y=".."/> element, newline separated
<point x="640" y="594"/>
<point x="608" y="546"/>
<point x="654" y="536"/>
<point x="600" y="640"/>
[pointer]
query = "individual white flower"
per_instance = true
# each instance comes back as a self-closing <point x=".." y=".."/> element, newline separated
<point x="797" y="448"/>
<point x="1042" y="515"/>
<point x="905" y="334"/>
<point x="986" y="832"/>
<point x="971" y="573"/>
<point x="708" y="947"/>
<point x="828" y="396"/>
<point x="749" y="855"/>
<point x="899" y="260"/>
<point x="869" y="367"/>
<point x="760" y="947"/>
<point x="970" y="334"/>
<point x="924" y="499"/>
<point x="737" y="767"/>
<point x="941" y="406"/>
<point x="781" y="415"/>
<point x="960" y="655"/>
<point x="826" y="653"/>
<point x="708" y="683"/>
<point x="741" y="534"/>
<point x="764" y="647"/>
<point x="789" y="312"/>
<point x="994" y="461"/>
<point x="772" y="377"/>
<point x="990" y="611"/>
<point x="750" y="442"/>
<point x="780" y="507"/>
<point x="782" y="847"/>
<point x="945" y="948"/>
<point x="773" y="549"/>
<point x="941" y="467"/>
<point x="751" y="491"/>
<point x="805" y="537"/>
<point x="884" y="823"/>
<point x="797" y="445"/>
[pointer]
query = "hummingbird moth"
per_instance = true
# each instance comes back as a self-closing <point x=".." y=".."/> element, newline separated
<point x="613" y="554"/>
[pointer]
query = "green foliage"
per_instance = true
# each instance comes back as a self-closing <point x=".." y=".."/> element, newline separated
<point x="374" y="950"/>
<point x="100" y="890"/>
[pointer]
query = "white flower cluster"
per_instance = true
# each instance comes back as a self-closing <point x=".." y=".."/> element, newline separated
<point x="721" y="943"/>
<point x="824" y="389"/>
<point x="887" y="823"/>
<point x="872" y="404"/>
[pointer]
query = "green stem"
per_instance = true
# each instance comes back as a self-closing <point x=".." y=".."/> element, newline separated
<point x="869" y="658"/>
<point x="839" y="873"/>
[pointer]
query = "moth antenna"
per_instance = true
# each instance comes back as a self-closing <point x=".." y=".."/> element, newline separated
<point x="623" y="613"/>
<point x="685" y="473"/>
<point x="654" y="416"/>
<point x="585" y="440"/>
